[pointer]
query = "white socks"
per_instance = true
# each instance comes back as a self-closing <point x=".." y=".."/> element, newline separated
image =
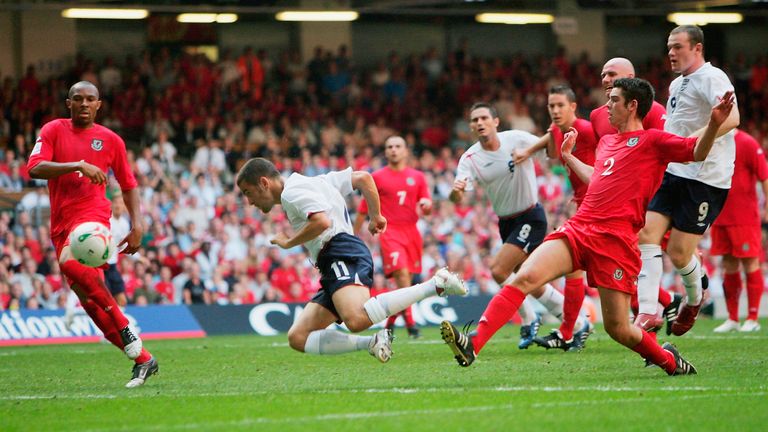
<point x="649" y="279"/>
<point x="335" y="342"/>
<point x="527" y="312"/>
<point x="691" y="276"/>
<point x="392" y="302"/>
<point x="552" y="299"/>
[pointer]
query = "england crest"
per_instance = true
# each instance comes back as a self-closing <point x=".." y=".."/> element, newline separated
<point x="632" y="141"/>
<point x="97" y="144"/>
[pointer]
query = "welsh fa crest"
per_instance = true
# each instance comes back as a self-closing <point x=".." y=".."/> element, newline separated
<point x="97" y="144"/>
<point x="618" y="274"/>
<point x="410" y="181"/>
<point x="632" y="141"/>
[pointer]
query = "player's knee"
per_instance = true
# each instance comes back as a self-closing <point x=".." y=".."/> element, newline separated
<point x="499" y="274"/>
<point x="357" y="323"/>
<point x="297" y="339"/>
<point x="527" y="280"/>
<point x="679" y="257"/>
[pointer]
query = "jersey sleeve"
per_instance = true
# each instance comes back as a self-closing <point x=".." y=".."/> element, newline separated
<point x="121" y="168"/>
<point x="716" y="86"/>
<point x="301" y="200"/>
<point x="761" y="165"/>
<point x="673" y="148"/>
<point x="525" y="139"/>
<point x="43" y="149"/>
<point x="464" y="172"/>
<point x="341" y="180"/>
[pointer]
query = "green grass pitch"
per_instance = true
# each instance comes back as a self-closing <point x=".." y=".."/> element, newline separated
<point x="258" y="383"/>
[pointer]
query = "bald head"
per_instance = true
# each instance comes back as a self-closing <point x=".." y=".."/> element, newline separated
<point x="83" y="85"/>
<point x="615" y="68"/>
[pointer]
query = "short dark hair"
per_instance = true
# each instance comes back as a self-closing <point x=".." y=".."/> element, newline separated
<point x="256" y="168"/>
<point x="695" y="33"/>
<point x="636" y="89"/>
<point x="79" y="84"/>
<point x="564" y="90"/>
<point x="478" y="105"/>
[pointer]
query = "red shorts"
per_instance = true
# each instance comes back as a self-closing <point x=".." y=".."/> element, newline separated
<point x="739" y="241"/>
<point x="609" y="255"/>
<point x="401" y="248"/>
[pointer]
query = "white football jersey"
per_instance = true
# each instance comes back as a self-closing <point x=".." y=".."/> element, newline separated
<point x="303" y="196"/>
<point x="511" y="188"/>
<point x="691" y="98"/>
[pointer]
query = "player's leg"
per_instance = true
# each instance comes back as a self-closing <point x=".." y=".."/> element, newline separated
<point x="755" y="288"/>
<point x="731" y="292"/>
<point x="615" y="308"/>
<point x="682" y="252"/>
<point x="92" y="291"/>
<point x="698" y="207"/>
<point x="546" y="263"/>
<point x="509" y="257"/>
<point x="403" y="278"/>
<point x="573" y="294"/>
<point x="347" y="261"/>
<point x="649" y="279"/>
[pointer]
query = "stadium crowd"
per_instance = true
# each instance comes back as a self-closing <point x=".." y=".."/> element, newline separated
<point x="190" y="123"/>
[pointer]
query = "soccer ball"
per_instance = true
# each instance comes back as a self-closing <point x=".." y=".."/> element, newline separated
<point x="91" y="244"/>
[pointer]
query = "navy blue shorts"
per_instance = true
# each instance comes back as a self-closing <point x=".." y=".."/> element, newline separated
<point x="526" y="230"/>
<point x="344" y="260"/>
<point x="691" y="204"/>
<point x="114" y="280"/>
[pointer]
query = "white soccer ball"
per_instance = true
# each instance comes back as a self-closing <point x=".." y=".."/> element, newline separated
<point x="91" y="244"/>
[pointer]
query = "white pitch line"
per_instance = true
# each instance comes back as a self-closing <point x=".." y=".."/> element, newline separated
<point x="394" y="390"/>
<point x="380" y="414"/>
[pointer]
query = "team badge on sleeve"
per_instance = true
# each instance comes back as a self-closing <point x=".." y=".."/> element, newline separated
<point x="97" y="144"/>
<point x="38" y="146"/>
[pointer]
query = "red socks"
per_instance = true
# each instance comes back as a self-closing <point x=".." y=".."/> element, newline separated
<point x="732" y="292"/>
<point x="92" y="285"/>
<point x="755" y="287"/>
<point x="407" y="315"/>
<point x="499" y="311"/>
<point x="104" y="323"/>
<point x="574" y="293"/>
<point x="649" y="349"/>
<point x="664" y="297"/>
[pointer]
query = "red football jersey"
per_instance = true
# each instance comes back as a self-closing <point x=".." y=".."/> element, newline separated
<point x="741" y="206"/>
<point x="74" y="199"/>
<point x="584" y="151"/>
<point x="628" y="171"/>
<point x="399" y="193"/>
<point x="653" y="120"/>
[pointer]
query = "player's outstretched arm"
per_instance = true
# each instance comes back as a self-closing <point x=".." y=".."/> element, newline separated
<point x="721" y="113"/>
<point x="457" y="193"/>
<point x="316" y="224"/>
<point x="582" y="170"/>
<point x="48" y="169"/>
<point x="520" y="156"/>
<point x="363" y="181"/>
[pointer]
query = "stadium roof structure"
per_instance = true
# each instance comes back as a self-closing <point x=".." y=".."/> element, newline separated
<point x="431" y="8"/>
